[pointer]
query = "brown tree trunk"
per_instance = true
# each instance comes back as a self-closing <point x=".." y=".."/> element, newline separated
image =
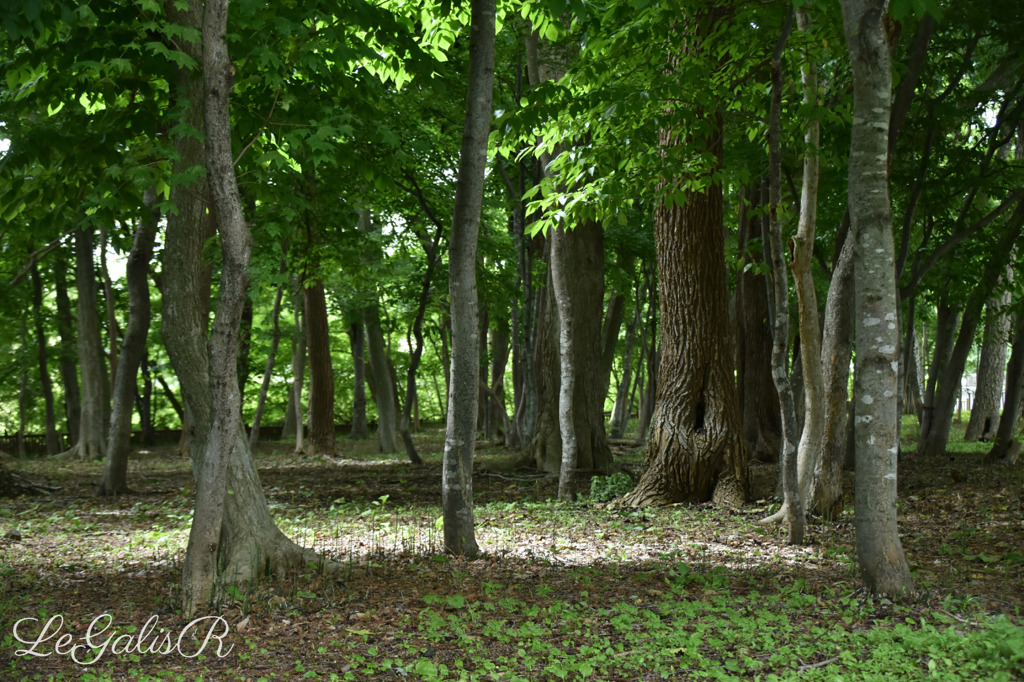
<point x="695" y="434"/>
<point x="879" y="552"/>
<point x="357" y="342"/>
<point x="68" y="354"/>
<point x="947" y="318"/>
<point x="460" y="434"/>
<point x="115" y="470"/>
<point x="382" y="387"/>
<point x="92" y="418"/>
<point x="53" y="440"/>
<point x="1005" y="447"/>
<point x="320" y="439"/>
<point x="759" y="400"/>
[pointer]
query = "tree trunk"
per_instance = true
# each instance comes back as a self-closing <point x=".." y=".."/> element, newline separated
<point x="92" y="424"/>
<point x="234" y="537"/>
<point x="649" y="358"/>
<point x="948" y="386"/>
<point x="460" y="435"/>
<point x="111" y="308"/>
<point x="320" y="440"/>
<point x="991" y="368"/>
<point x="357" y="342"/>
<point x="68" y="353"/>
<point x="1005" y="447"/>
<point x="268" y="371"/>
<point x="133" y="348"/>
<point x="294" y="417"/>
<point x="381" y="386"/>
<point x="947" y="318"/>
<point x="244" y="346"/>
<point x="695" y="436"/>
<point x="566" y="358"/>
<point x="879" y="553"/>
<point x="759" y="400"/>
<point x="145" y="402"/>
<point x="613" y="317"/>
<point x="499" y="339"/>
<point x="53" y="440"/>
<point x="826" y="492"/>
<point x="23" y="397"/>
<point x="620" y="412"/>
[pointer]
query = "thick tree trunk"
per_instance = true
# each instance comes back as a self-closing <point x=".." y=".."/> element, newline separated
<point x="879" y="553"/>
<point x="68" y="354"/>
<point x="133" y="348"/>
<point x="947" y="390"/>
<point x="583" y="257"/>
<point x="991" y="370"/>
<point x="695" y="434"/>
<point x="826" y="493"/>
<point x="759" y="400"/>
<point x="320" y="440"/>
<point x="268" y="370"/>
<point x="53" y="440"/>
<point x="460" y="434"/>
<point x="1005" y="447"/>
<point x="357" y="342"/>
<point x="92" y="418"/>
<point x="236" y="537"/>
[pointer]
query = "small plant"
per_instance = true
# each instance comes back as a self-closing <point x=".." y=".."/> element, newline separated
<point x="604" y="488"/>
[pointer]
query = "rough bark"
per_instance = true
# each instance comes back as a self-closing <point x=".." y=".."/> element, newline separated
<point x="68" y="354"/>
<point x="133" y="348"/>
<point x="460" y="433"/>
<point x="991" y="370"/>
<point x="53" y="440"/>
<point x="92" y="417"/>
<point x="880" y="556"/>
<point x="357" y="342"/>
<point x="268" y="370"/>
<point x="695" y="436"/>
<point x="320" y="439"/>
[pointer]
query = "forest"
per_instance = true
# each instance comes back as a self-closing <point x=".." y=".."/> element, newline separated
<point x="520" y="340"/>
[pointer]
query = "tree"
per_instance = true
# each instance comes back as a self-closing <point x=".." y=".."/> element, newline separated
<point x="460" y="433"/>
<point x="115" y="471"/>
<point x="985" y="411"/>
<point x="94" y="409"/>
<point x="880" y="556"/>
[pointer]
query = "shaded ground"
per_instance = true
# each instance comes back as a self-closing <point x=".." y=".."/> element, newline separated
<point x="566" y="591"/>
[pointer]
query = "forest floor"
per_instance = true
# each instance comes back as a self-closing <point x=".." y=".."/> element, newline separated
<point x="564" y="591"/>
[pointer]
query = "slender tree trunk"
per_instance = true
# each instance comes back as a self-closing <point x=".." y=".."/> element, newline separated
<point x="460" y="435"/>
<point x="321" y="372"/>
<point x="111" y="308"/>
<point x="759" y="399"/>
<point x="879" y="552"/>
<point x="68" y="354"/>
<point x="133" y="348"/>
<point x="244" y="347"/>
<point x="947" y="318"/>
<point x="650" y="365"/>
<point x="620" y="412"/>
<point x="613" y="317"/>
<point x="826" y="493"/>
<point x="991" y="370"/>
<point x="499" y="339"/>
<point x="268" y="371"/>
<point x="92" y="427"/>
<point x="357" y="342"/>
<point x="23" y="397"/>
<point x="53" y="440"/>
<point x="145" y="402"/>
<point x="567" y="377"/>
<point x="382" y="388"/>
<point x="294" y="419"/>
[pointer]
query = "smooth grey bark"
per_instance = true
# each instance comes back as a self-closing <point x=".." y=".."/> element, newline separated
<point x="984" y="419"/>
<point x="23" y="397"/>
<point x="460" y="433"/>
<point x="499" y="342"/>
<point x="357" y="342"/>
<point x="133" y="348"/>
<point x="68" y="354"/>
<point x="294" y="420"/>
<point x="92" y="417"/>
<point x="947" y="317"/>
<point x="880" y="556"/>
<point x="567" y="376"/>
<point x="268" y="370"/>
<point x="620" y="411"/>
<point x="53" y="440"/>
<point x="826" y="493"/>
<point x="613" y="316"/>
<point x="111" y="307"/>
<point x="381" y="386"/>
